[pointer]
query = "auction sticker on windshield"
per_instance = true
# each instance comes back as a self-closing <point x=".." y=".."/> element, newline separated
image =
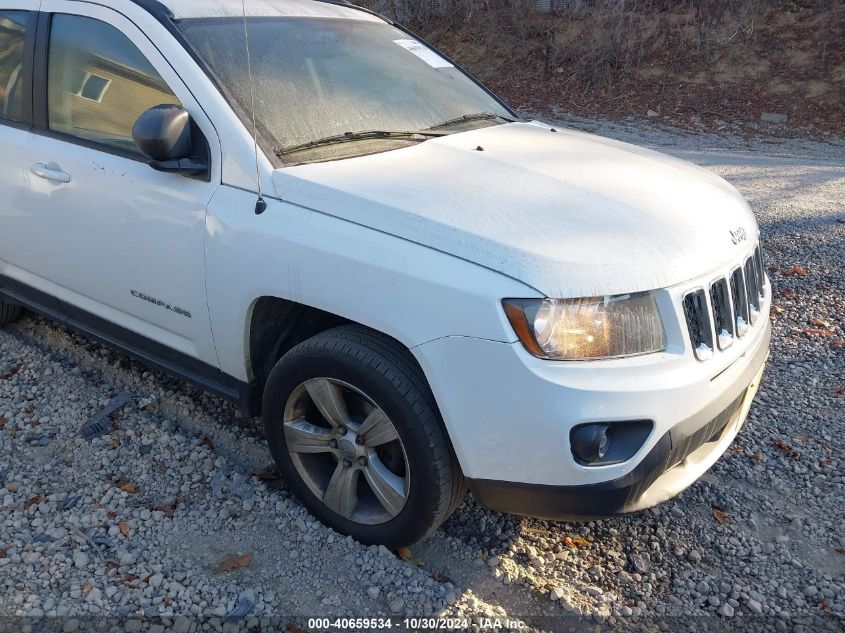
<point x="424" y="53"/>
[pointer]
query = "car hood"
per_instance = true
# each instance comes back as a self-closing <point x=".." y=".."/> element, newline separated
<point x="568" y="213"/>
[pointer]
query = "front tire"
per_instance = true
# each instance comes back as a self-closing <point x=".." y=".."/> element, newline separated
<point x="9" y="312"/>
<point x="356" y="433"/>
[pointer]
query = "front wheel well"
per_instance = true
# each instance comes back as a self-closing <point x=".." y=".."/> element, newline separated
<point x="276" y="326"/>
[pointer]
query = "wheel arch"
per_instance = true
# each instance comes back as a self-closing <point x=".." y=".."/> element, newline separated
<point x="275" y="325"/>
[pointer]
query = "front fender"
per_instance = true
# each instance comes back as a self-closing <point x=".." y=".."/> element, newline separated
<point x="410" y="292"/>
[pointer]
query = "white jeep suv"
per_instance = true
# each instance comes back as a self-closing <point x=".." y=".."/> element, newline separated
<point x="307" y="210"/>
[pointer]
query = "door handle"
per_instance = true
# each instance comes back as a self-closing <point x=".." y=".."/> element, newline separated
<point x="50" y="171"/>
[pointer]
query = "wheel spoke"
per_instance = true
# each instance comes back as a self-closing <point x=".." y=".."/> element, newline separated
<point x="388" y="488"/>
<point x="329" y="400"/>
<point x="377" y="429"/>
<point x="303" y="437"/>
<point x="342" y="491"/>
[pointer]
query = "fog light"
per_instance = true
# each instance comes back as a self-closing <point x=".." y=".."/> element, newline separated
<point x="606" y="443"/>
<point x="590" y="442"/>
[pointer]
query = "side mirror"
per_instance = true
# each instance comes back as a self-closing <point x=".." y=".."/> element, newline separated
<point x="164" y="135"/>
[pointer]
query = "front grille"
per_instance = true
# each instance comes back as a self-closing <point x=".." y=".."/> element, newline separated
<point x="734" y="305"/>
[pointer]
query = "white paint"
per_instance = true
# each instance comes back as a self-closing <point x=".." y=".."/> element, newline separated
<point x="264" y="8"/>
<point x="568" y="213"/>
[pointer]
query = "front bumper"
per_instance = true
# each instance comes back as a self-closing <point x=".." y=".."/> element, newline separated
<point x="509" y="415"/>
<point x="678" y="459"/>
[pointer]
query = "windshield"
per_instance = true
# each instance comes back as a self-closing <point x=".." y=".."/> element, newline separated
<point x="321" y="77"/>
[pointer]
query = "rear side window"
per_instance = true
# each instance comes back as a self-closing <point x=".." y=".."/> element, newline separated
<point x="99" y="83"/>
<point x="12" y="31"/>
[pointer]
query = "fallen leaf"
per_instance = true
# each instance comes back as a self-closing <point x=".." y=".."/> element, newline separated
<point x="785" y="448"/>
<point x="840" y="391"/>
<point x="111" y="514"/>
<point x="292" y="628"/>
<point x="115" y="443"/>
<point x="720" y="515"/>
<point x="233" y="561"/>
<point x="789" y="294"/>
<point x="841" y="550"/>
<point x="820" y="323"/>
<point x="2" y="422"/>
<point x="124" y="528"/>
<point x="204" y="439"/>
<point x="265" y="474"/>
<point x="575" y="542"/>
<point x="824" y="606"/>
<point x="816" y="332"/>
<point x="778" y="310"/>
<point x="168" y="508"/>
<point x="405" y="554"/>
<point x="127" y="486"/>
<point x="736" y="449"/>
<point x="798" y="271"/>
<point x="34" y="501"/>
<point x="838" y="342"/>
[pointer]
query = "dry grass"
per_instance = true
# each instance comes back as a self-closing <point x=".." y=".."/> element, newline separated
<point x="704" y="56"/>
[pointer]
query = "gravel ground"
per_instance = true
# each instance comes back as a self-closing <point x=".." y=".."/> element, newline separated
<point x="166" y="516"/>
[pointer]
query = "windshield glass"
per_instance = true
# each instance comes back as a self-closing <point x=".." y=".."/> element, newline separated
<point x="320" y="77"/>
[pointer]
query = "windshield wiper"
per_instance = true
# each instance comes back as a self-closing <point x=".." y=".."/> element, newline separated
<point x="346" y="137"/>
<point x="478" y="116"/>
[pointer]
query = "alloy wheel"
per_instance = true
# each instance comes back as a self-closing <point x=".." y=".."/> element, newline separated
<point x="346" y="450"/>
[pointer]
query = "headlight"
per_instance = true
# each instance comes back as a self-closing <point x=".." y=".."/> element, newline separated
<point x="588" y="328"/>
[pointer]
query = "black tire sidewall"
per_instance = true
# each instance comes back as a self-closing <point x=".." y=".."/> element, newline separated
<point x="421" y="508"/>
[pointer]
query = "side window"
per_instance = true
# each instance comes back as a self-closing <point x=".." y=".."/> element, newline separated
<point x="98" y="82"/>
<point x="12" y="30"/>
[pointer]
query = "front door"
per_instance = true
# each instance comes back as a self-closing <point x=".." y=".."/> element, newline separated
<point x="124" y="242"/>
<point x="20" y="237"/>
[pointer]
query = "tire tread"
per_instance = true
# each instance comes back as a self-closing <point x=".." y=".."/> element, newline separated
<point x="9" y="312"/>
